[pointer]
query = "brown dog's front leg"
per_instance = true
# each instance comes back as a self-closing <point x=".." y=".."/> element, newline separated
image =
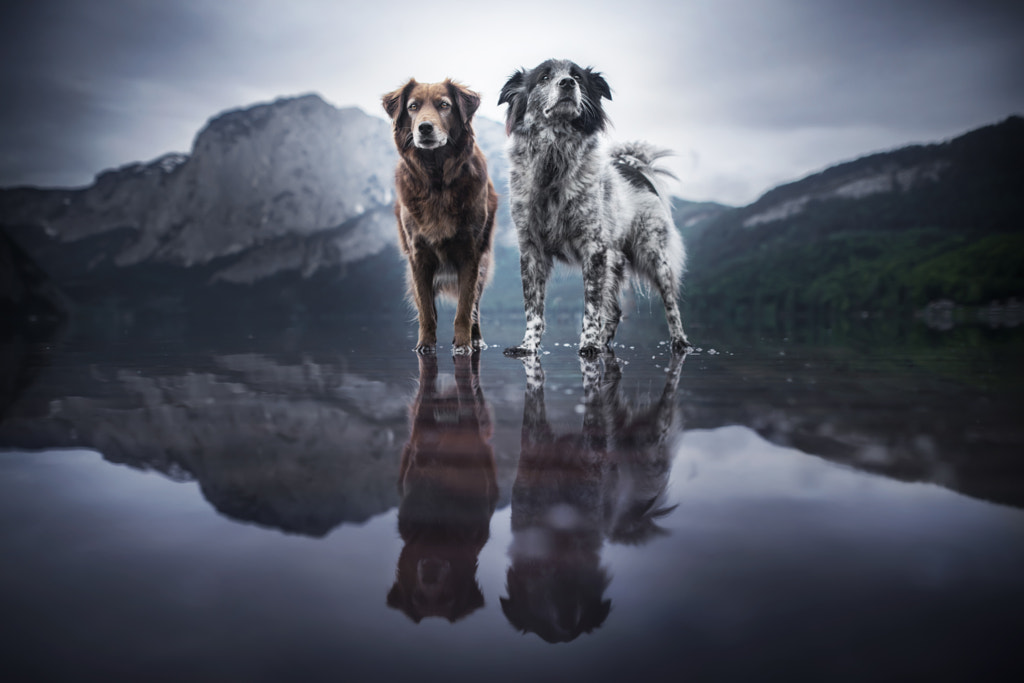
<point x="468" y="276"/>
<point x="424" y="266"/>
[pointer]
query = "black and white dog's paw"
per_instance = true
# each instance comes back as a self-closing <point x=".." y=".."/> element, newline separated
<point x="521" y="351"/>
<point x="681" y="346"/>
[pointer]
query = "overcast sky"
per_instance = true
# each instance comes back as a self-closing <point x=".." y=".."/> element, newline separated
<point x="749" y="93"/>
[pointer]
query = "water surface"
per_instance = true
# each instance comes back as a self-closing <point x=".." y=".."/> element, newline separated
<point x="285" y="506"/>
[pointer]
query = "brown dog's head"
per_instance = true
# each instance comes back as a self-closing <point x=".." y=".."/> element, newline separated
<point x="431" y="115"/>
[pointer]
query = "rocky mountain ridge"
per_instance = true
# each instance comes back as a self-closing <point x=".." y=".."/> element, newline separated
<point x="296" y="166"/>
<point x="991" y="150"/>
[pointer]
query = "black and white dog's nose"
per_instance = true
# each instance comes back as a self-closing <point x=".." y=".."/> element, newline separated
<point x="426" y="128"/>
<point x="567" y="83"/>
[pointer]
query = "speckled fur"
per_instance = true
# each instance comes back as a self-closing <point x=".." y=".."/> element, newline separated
<point x="578" y="199"/>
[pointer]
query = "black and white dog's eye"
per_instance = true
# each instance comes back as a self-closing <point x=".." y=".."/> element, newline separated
<point x="545" y="78"/>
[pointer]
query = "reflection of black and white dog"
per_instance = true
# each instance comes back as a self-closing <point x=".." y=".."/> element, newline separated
<point x="606" y="480"/>
<point x="575" y="199"/>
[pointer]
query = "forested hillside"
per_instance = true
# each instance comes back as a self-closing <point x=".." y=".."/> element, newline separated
<point x="889" y="231"/>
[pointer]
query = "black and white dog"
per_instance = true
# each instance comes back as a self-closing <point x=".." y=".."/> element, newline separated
<point x="579" y="200"/>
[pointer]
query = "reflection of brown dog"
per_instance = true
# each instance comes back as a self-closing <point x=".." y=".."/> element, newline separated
<point x="446" y="205"/>
<point x="575" y="490"/>
<point x="449" y="489"/>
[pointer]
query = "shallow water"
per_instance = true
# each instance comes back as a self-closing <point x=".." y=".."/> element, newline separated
<point x="288" y="507"/>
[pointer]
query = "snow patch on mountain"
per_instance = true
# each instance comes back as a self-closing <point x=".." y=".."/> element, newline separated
<point x="889" y="179"/>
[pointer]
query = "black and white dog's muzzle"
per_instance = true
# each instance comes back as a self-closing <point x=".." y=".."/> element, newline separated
<point x="564" y="97"/>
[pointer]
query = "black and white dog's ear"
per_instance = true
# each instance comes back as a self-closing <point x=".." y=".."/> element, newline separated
<point x="513" y="87"/>
<point x="467" y="100"/>
<point x="593" y="117"/>
<point x="598" y="84"/>
<point x="514" y="95"/>
<point x="394" y="102"/>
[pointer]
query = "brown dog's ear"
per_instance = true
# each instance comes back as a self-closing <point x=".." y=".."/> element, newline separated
<point x="394" y="102"/>
<point x="468" y="100"/>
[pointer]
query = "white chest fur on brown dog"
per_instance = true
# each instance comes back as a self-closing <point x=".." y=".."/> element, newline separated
<point x="445" y="207"/>
<point x="577" y="199"/>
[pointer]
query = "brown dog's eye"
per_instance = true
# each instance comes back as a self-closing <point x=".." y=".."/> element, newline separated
<point x="413" y="106"/>
<point x="444" y="105"/>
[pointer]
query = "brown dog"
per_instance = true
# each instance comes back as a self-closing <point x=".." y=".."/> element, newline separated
<point x="445" y="207"/>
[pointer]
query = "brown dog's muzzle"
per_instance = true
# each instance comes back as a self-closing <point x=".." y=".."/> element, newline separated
<point x="428" y="133"/>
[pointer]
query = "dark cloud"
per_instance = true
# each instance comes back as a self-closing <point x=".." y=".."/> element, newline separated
<point x="793" y="64"/>
<point x="64" y="66"/>
<point x="760" y="91"/>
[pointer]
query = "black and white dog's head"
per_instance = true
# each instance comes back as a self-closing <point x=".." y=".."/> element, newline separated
<point x="556" y="91"/>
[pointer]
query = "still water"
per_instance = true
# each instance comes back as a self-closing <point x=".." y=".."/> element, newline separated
<point x="288" y="507"/>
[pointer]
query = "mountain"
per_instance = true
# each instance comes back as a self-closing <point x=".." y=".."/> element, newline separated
<point x="894" y="230"/>
<point x="293" y="167"/>
<point x="693" y="218"/>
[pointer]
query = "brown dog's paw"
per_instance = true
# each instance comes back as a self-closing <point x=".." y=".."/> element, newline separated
<point x="425" y="349"/>
<point x="463" y="350"/>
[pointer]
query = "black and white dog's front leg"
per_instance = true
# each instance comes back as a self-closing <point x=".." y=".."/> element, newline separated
<point x="611" y="310"/>
<point x="595" y="286"/>
<point x="535" y="267"/>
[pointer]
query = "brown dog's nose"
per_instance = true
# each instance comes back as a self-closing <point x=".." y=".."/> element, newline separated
<point x="426" y="127"/>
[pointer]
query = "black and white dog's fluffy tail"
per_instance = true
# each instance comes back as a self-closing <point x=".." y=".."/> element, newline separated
<point x="636" y="162"/>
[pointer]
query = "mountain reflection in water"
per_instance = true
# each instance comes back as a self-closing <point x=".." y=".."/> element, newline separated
<point x="826" y="512"/>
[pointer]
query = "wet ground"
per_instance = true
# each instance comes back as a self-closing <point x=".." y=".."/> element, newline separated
<point x="281" y="506"/>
